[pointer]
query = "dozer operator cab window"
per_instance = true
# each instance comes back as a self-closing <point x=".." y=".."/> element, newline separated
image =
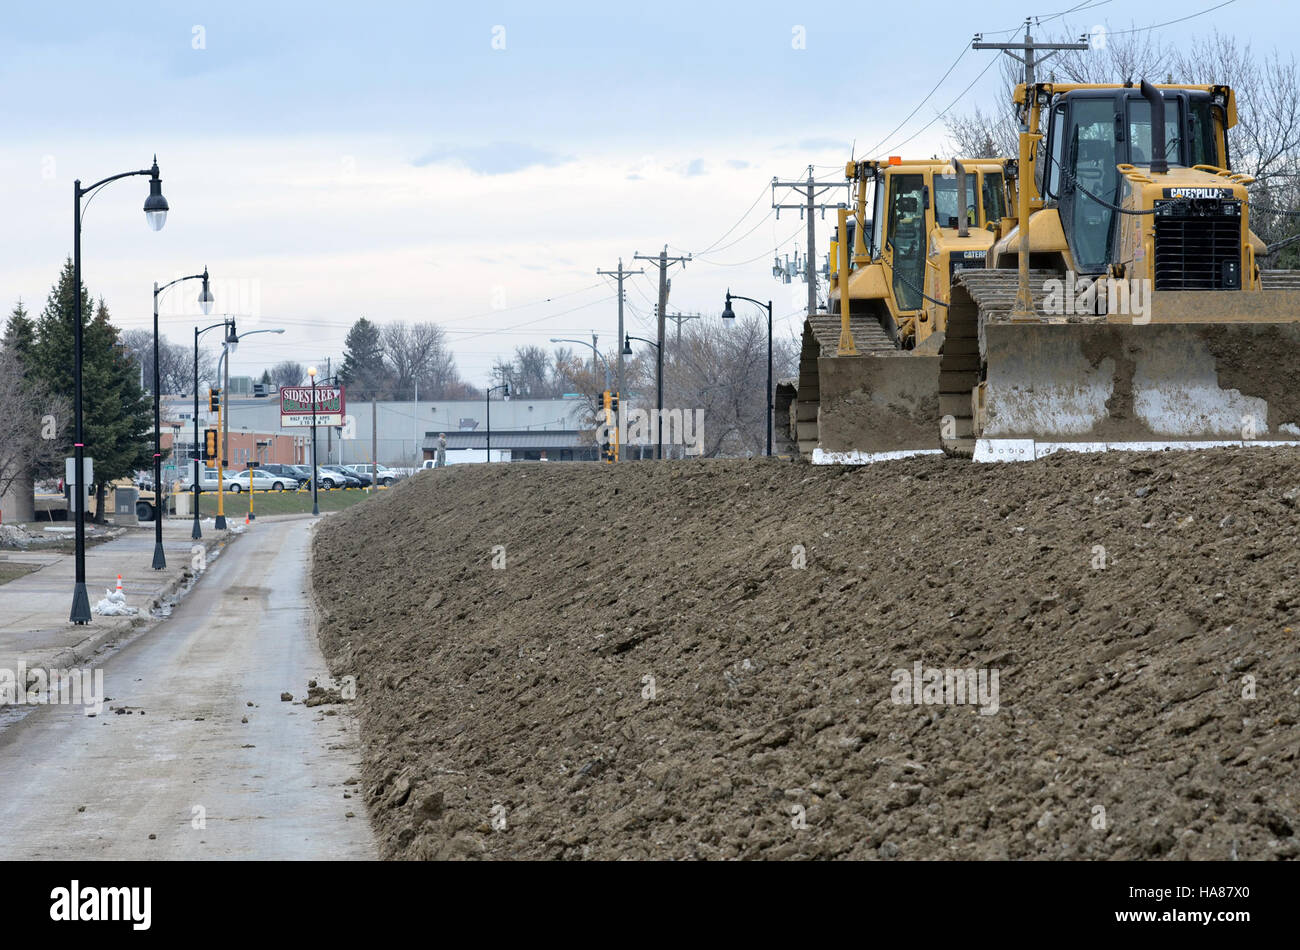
<point x="1139" y="132"/>
<point x="1083" y="155"/>
<point x="878" y="217"/>
<point x="945" y="201"/>
<point x="1206" y="128"/>
<point x="995" y="197"/>
<point x="907" y="236"/>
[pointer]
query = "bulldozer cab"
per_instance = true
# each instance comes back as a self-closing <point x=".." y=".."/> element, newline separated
<point x="905" y="238"/>
<point x="908" y="201"/>
<point x="1093" y="131"/>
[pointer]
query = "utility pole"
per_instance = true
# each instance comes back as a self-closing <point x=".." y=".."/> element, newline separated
<point x="810" y="190"/>
<point x="620" y="274"/>
<point x="679" y="318"/>
<point x="374" y="441"/>
<point x="329" y="430"/>
<point x="1028" y="143"/>
<point x="664" y="262"/>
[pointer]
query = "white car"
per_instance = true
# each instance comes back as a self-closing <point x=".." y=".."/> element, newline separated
<point x="381" y="474"/>
<point x="208" y="483"/>
<point x="262" y="481"/>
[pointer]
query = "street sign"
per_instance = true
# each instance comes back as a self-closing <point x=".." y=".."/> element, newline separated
<point x="70" y="481"/>
<point x="295" y="406"/>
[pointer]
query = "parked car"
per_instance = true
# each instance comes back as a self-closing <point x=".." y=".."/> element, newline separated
<point x="295" y="476"/>
<point x="350" y="479"/>
<point x="384" y="474"/>
<point x="261" y="481"/>
<point x="327" y="479"/>
<point x="207" y="483"/>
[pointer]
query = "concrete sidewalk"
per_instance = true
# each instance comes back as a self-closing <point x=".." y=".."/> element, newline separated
<point x="34" y="624"/>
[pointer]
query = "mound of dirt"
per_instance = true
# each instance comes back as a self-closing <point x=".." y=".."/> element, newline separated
<point x="739" y="658"/>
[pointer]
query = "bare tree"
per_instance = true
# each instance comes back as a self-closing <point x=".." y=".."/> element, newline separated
<point x="722" y="370"/>
<point x="33" y="424"/>
<point x="175" y="362"/>
<point x="288" y="373"/>
<point x="418" y="352"/>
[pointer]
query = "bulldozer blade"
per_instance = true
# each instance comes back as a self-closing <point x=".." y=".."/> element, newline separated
<point x="877" y="407"/>
<point x="1187" y="379"/>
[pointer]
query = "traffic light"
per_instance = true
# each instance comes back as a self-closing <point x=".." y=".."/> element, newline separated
<point x="214" y="400"/>
<point x="612" y="416"/>
<point x="209" y="444"/>
<point x="606" y="446"/>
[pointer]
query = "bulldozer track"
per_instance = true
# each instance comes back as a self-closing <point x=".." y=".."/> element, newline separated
<point x="868" y="335"/>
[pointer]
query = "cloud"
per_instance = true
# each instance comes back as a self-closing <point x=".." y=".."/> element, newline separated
<point x="695" y="168"/>
<point x="737" y="163"/>
<point x="496" y="158"/>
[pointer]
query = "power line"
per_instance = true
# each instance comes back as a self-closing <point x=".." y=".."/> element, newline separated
<point x="875" y="150"/>
<point x="779" y="245"/>
<point x="736" y="225"/>
<point x="1181" y="19"/>
<point x="946" y="110"/>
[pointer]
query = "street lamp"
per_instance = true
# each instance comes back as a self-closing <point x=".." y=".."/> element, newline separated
<point x="198" y="453"/>
<point x="505" y="391"/>
<point x="729" y="314"/>
<point x="594" y="350"/>
<point x="659" y="386"/>
<point x="311" y="372"/>
<point x="205" y="304"/>
<point x="155" y="213"/>
<point x="228" y="346"/>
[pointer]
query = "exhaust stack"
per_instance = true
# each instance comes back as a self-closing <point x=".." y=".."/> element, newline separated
<point x="1159" y="164"/>
<point x="962" y="229"/>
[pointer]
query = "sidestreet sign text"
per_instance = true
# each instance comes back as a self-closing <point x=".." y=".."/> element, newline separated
<point x="295" y="406"/>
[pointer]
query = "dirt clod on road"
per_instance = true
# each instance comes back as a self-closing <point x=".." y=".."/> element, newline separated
<point x="738" y="659"/>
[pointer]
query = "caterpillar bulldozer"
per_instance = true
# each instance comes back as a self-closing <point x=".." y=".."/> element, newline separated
<point x="1124" y="306"/>
<point x="869" y="370"/>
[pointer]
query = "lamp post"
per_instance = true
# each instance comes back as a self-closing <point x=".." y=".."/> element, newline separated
<point x="594" y="350"/>
<point x="659" y="386"/>
<point x="205" y="304"/>
<point x="155" y="213"/>
<point x="729" y="314"/>
<point x="198" y="453"/>
<point x="311" y="373"/>
<point x="505" y="391"/>
<point x="227" y="347"/>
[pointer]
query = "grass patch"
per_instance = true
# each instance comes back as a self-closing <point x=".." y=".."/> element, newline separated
<point x="281" y="503"/>
<point x="12" y="570"/>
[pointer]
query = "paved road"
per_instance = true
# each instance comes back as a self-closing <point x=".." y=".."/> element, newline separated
<point x="271" y="788"/>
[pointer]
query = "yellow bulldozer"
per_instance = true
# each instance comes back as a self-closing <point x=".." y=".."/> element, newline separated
<point x="1124" y="307"/>
<point x="868" y="386"/>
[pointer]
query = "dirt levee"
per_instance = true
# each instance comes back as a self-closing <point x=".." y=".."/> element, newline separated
<point x="739" y="659"/>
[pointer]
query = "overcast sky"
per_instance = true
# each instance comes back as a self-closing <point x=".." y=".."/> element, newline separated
<point x="328" y="161"/>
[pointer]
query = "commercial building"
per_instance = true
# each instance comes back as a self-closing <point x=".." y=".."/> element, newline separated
<point x="406" y="431"/>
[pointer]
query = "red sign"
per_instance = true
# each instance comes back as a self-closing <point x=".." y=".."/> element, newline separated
<point x="296" y="406"/>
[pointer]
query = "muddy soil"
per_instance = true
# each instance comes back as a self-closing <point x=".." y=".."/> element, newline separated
<point x="706" y="659"/>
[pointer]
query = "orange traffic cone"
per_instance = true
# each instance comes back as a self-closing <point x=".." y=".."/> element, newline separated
<point x="119" y="583"/>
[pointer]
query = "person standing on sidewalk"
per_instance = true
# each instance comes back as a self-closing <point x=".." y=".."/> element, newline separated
<point x="441" y="457"/>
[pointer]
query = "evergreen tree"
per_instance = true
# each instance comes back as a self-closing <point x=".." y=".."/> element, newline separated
<point x="20" y="332"/>
<point x="117" y="417"/>
<point x="363" y="368"/>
